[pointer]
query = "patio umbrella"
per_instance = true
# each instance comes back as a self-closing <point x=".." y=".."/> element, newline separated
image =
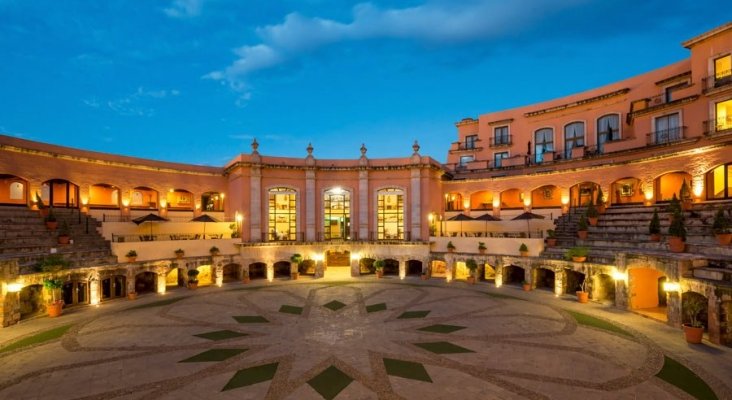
<point x="528" y="216"/>
<point x="461" y="217"/>
<point x="149" y="218"/>
<point x="486" y="218"/>
<point x="204" y="218"/>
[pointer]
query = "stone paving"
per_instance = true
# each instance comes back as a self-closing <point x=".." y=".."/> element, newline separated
<point x="360" y="339"/>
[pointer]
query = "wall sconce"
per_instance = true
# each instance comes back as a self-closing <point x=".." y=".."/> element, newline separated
<point x="648" y="194"/>
<point x="698" y="189"/>
<point x="14" y="287"/>
<point x="239" y="217"/>
<point x="619" y="276"/>
<point x="527" y="202"/>
<point x="84" y="201"/>
<point x="355" y="256"/>
<point x="671" y="287"/>
<point x="125" y="202"/>
<point x="565" y="200"/>
<point x="466" y="204"/>
<point x="163" y="203"/>
<point x="496" y="202"/>
<point x="431" y="217"/>
<point x="198" y="206"/>
<point x="318" y="257"/>
<point x="222" y="196"/>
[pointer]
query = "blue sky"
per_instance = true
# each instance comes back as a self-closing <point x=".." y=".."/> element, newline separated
<point x="195" y="80"/>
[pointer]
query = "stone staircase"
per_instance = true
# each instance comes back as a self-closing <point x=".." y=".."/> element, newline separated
<point x="24" y="237"/>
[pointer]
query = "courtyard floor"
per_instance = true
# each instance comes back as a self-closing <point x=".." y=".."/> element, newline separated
<point x="356" y="339"/>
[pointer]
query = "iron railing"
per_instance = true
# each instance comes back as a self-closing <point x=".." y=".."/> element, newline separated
<point x="666" y="136"/>
<point x="717" y="81"/>
<point x="718" y="125"/>
<point x="501" y="140"/>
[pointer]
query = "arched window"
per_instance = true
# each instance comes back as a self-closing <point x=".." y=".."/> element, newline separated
<point x="282" y="214"/>
<point x="144" y="198"/>
<point x="60" y="193"/>
<point x="574" y="136"/>
<point x="719" y="182"/>
<point x="17" y="191"/>
<point x="103" y="196"/>
<point x="12" y="190"/>
<point x="543" y="143"/>
<point x="179" y="199"/>
<point x="453" y="202"/>
<point x="390" y="214"/>
<point x="337" y="214"/>
<point x="608" y="129"/>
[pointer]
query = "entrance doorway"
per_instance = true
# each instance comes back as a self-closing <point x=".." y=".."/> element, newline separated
<point x="646" y="296"/>
<point x="544" y="279"/>
<point x="513" y="275"/>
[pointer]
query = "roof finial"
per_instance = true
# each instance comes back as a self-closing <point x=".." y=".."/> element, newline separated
<point x="255" y="146"/>
<point x="363" y="150"/>
<point x="310" y="149"/>
<point x="415" y="147"/>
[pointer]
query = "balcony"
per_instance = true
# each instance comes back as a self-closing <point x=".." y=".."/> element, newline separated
<point x="463" y="147"/>
<point x="718" y="127"/>
<point x="717" y="82"/>
<point x="501" y="141"/>
<point x="666" y="136"/>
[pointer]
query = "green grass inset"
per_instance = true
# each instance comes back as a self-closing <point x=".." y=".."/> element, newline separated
<point x="214" y="355"/>
<point x="250" y="376"/>
<point x="406" y="369"/>
<point x="220" y="335"/>
<point x="38" y="338"/>
<point x="250" y="319"/>
<point x="376" y="307"/>
<point x="334" y="305"/>
<point x="685" y="379"/>
<point x="291" y="310"/>
<point x="440" y="328"/>
<point x="443" y="348"/>
<point x="330" y="382"/>
<point x="159" y="303"/>
<point x="588" y="320"/>
<point x="413" y="314"/>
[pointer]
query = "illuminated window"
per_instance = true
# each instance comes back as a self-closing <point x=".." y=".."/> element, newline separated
<point x="17" y="191"/>
<point x="60" y="193"/>
<point x="453" y="202"/>
<point x="574" y="136"/>
<point x="337" y="214"/>
<point x="212" y="201"/>
<point x="723" y="115"/>
<point x="544" y="143"/>
<point x="179" y="199"/>
<point x="103" y="195"/>
<point x="144" y="198"/>
<point x="390" y="214"/>
<point x="282" y="214"/>
<point x="719" y="182"/>
<point x="723" y="68"/>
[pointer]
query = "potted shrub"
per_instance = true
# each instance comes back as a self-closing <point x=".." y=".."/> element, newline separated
<point x="551" y="238"/>
<point x="54" y="285"/>
<point x="450" y="247"/>
<point x="131" y="256"/>
<point x="583" y="296"/>
<point x="132" y="295"/>
<point x="674" y="206"/>
<point x="180" y="253"/>
<point x="526" y="286"/>
<point x="51" y="222"/>
<point x="245" y="277"/>
<point x="42" y="209"/>
<point x="576" y="254"/>
<point x="721" y="228"/>
<point x="685" y="196"/>
<point x="600" y="201"/>
<point x="295" y="261"/>
<point x="654" y="227"/>
<point x="193" y="279"/>
<point x="63" y="234"/>
<point x="214" y="251"/>
<point x="379" y="267"/>
<point x="677" y="233"/>
<point x="472" y="266"/>
<point x="694" y="330"/>
<point x="582" y="228"/>
<point x="592" y="214"/>
<point x="524" y="250"/>
<point x="482" y="248"/>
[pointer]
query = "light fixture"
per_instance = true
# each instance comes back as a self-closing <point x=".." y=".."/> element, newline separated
<point x="163" y="203"/>
<point x="337" y="190"/>
<point x="496" y="202"/>
<point x="318" y="257"/>
<point x="527" y="202"/>
<point x="239" y="217"/>
<point x="619" y="276"/>
<point x="565" y="200"/>
<point x="648" y="194"/>
<point x="125" y="202"/>
<point x="355" y="256"/>
<point x="671" y="287"/>
<point x="14" y="287"/>
<point x="698" y="189"/>
<point x="84" y="201"/>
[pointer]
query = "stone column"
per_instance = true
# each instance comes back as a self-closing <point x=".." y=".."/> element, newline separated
<point x="218" y="271"/>
<point x="162" y="275"/>
<point x="363" y="204"/>
<point x="355" y="267"/>
<point x="498" y="266"/>
<point x="402" y="269"/>
<point x="559" y="277"/>
<point x="713" y="318"/>
<point x="270" y="271"/>
<point x="255" y="204"/>
<point x="497" y="204"/>
<point x="528" y="272"/>
<point x="449" y="268"/>
<point x="673" y="309"/>
<point x="94" y="296"/>
<point x="416" y="207"/>
<point x="310" y="230"/>
<point x="427" y="266"/>
<point x="319" y="269"/>
<point x="130" y="281"/>
<point x="9" y="301"/>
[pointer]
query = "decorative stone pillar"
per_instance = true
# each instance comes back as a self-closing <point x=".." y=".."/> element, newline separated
<point x="255" y="195"/>
<point x="363" y="196"/>
<point x="416" y="194"/>
<point x="402" y="269"/>
<point x="162" y="275"/>
<point x="9" y="301"/>
<point x="218" y="271"/>
<point x="449" y="268"/>
<point x="427" y="266"/>
<point x="130" y="278"/>
<point x="319" y="269"/>
<point x="310" y="225"/>
<point x="498" y="266"/>
<point x="528" y="272"/>
<point x="559" y="279"/>
<point x="497" y="204"/>
<point x="673" y="309"/>
<point x="713" y="318"/>
<point x="355" y="267"/>
<point x="270" y="271"/>
<point x="94" y="297"/>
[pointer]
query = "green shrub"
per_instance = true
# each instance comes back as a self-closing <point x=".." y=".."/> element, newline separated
<point x="582" y="224"/>
<point x="577" y="251"/>
<point x="721" y="222"/>
<point x="677" y="227"/>
<point x="654" y="228"/>
<point x="481" y="246"/>
<point x="131" y="253"/>
<point x="193" y="275"/>
<point x="592" y="211"/>
<point x="523" y="247"/>
<point x="52" y="263"/>
<point x="471" y="265"/>
<point x="379" y="265"/>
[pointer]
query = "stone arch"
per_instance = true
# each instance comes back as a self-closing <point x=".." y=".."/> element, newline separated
<point x="544" y="278"/>
<point x="13" y="190"/>
<point x="481" y="200"/>
<point x="104" y="195"/>
<point x="489" y="273"/>
<point x="146" y="282"/>
<point x="205" y="275"/>
<point x="603" y="286"/>
<point x="512" y="199"/>
<point x="513" y="275"/>
<point x="627" y="190"/>
<point x="258" y="270"/>
<point x="453" y="201"/>
<point x="438" y="268"/>
<point x="31" y="301"/>
<point x="414" y="267"/>
<point x="573" y="281"/>
<point x="668" y="184"/>
<point x="391" y="266"/>
<point x="703" y="316"/>
<point x="582" y="193"/>
<point x="282" y="269"/>
<point x="307" y="267"/>
<point x="547" y="196"/>
<point x="112" y="286"/>
<point x="231" y="272"/>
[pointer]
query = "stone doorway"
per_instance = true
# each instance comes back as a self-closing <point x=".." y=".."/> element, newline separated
<point x="544" y="279"/>
<point x="31" y="301"/>
<point x="513" y="275"/>
<point x="414" y="267"/>
<point x="146" y="282"/>
<point x="391" y="267"/>
<point x="75" y="293"/>
<point x="258" y="271"/>
<point x="231" y="273"/>
<point x="282" y="269"/>
<point x="113" y="287"/>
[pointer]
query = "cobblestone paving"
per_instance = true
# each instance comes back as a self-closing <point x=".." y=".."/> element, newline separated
<point x="475" y="346"/>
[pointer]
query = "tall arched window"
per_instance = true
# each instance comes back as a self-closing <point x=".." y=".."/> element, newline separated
<point x="608" y="129"/>
<point x="12" y="190"/>
<point x="282" y="223"/>
<point x="336" y="214"/>
<point x="390" y="214"/>
<point x="543" y="143"/>
<point x="574" y="136"/>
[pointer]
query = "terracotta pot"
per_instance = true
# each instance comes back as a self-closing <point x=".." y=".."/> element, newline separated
<point x="471" y="280"/>
<point x="179" y="255"/>
<point x="592" y="221"/>
<point x="246" y="280"/>
<point x="450" y="249"/>
<point x="132" y="296"/>
<point x="676" y="244"/>
<point x="481" y="251"/>
<point x="524" y="253"/>
<point x="655" y="237"/>
<point x="724" y="238"/>
<point x="551" y="242"/>
<point x="64" y="239"/>
<point x="425" y="277"/>
<point x="44" y="212"/>
<point x="131" y="259"/>
<point x="192" y="285"/>
<point x="579" y="259"/>
<point x="294" y="275"/>
<point x="379" y="273"/>
<point x="582" y="235"/>
<point x="601" y="208"/>
<point x="583" y="297"/>
<point x="693" y="334"/>
<point x="526" y="287"/>
<point x="55" y="308"/>
<point x="51" y="225"/>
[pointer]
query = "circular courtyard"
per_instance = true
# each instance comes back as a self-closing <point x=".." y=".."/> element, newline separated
<point x="339" y="340"/>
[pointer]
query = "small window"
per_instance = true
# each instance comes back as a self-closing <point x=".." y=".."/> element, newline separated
<point x="669" y="92"/>
<point x="464" y="160"/>
<point x="500" y="135"/>
<point x="723" y="67"/>
<point x="723" y="117"/>
<point x="667" y="129"/>
<point x="498" y="159"/>
<point x="470" y="141"/>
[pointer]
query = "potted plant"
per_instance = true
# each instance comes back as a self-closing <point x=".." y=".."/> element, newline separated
<point x="677" y="233"/>
<point x="42" y="209"/>
<point x="685" y="196"/>
<point x="592" y="214"/>
<point x="600" y="201"/>
<point x="450" y="247"/>
<point x="234" y="231"/>
<point x="245" y="277"/>
<point x="180" y="253"/>
<point x="295" y="261"/>
<point x="482" y="248"/>
<point x="131" y="256"/>
<point x="214" y="251"/>
<point x="721" y="228"/>
<point x="576" y="254"/>
<point x="654" y="228"/>
<point x="379" y="266"/>
<point x="674" y="206"/>
<point x="694" y="330"/>
<point x="53" y="285"/>
<point x="51" y="222"/>
<point x="132" y="295"/>
<point x="583" y="296"/>
<point x="524" y="250"/>
<point x="551" y="238"/>
<point x="193" y="279"/>
<point x="472" y="266"/>
<point x="63" y="234"/>
<point x="582" y="228"/>
<point x="526" y="285"/>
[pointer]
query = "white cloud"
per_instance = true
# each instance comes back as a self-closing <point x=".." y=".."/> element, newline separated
<point x="93" y="102"/>
<point x="184" y="9"/>
<point x="137" y="103"/>
<point x="437" y="21"/>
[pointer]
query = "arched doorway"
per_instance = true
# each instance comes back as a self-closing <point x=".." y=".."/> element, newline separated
<point x="482" y="200"/>
<point x="144" y="198"/>
<point x="438" y="269"/>
<point x="544" y="279"/>
<point x="489" y="273"/>
<point x="391" y="267"/>
<point x="668" y="185"/>
<point x="231" y="272"/>
<point x="547" y="196"/>
<point x="573" y="281"/>
<point x="453" y="201"/>
<point x="31" y="301"/>
<point x="258" y="270"/>
<point x="282" y="269"/>
<point x="13" y="190"/>
<point x="414" y="267"/>
<point x="75" y="292"/>
<point x="113" y="287"/>
<point x="583" y="193"/>
<point x="60" y="193"/>
<point x="212" y="201"/>
<point x="513" y="275"/>
<point x="146" y="282"/>
<point x="205" y="275"/>
<point x="603" y="288"/>
<point x="626" y="191"/>
<point x="175" y="278"/>
<point x="337" y="214"/>
<point x="646" y="296"/>
<point x="703" y="315"/>
<point x="366" y="266"/>
<point x="179" y="200"/>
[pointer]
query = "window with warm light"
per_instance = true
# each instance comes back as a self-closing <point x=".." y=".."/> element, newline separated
<point x="282" y="214"/>
<point x="180" y="199"/>
<point x="144" y="198"/>
<point x="103" y="195"/>
<point x="212" y="201"/>
<point x="608" y="129"/>
<point x="723" y="115"/>
<point x="390" y="214"/>
<point x="337" y="214"/>
<point x="719" y="182"/>
<point x="453" y="202"/>
<point x="723" y="68"/>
